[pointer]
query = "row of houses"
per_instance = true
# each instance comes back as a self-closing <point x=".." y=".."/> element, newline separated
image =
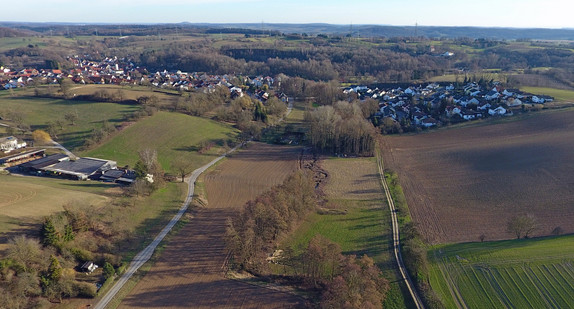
<point x="122" y="71"/>
<point x="427" y="106"/>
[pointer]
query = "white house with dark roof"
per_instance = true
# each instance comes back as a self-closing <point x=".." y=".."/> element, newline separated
<point x="10" y="143"/>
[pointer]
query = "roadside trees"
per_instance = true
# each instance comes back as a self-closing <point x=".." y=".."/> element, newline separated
<point x="182" y="166"/>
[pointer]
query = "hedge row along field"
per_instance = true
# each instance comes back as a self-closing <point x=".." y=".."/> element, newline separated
<point x="533" y="273"/>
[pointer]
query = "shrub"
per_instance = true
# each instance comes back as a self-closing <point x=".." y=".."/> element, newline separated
<point x="85" y="290"/>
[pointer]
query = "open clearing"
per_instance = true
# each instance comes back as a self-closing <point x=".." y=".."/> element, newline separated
<point x="461" y="183"/>
<point x="190" y="272"/>
<point x="24" y="201"/>
<point x="172" y="135"/>
<point x="534" y="273"/>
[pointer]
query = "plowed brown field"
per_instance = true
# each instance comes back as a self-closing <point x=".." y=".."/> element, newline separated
<point x="461" y="183"/>
<point x="190" y="272"/>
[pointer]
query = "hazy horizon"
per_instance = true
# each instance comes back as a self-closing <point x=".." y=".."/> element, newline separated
<point x="551" y="14"/>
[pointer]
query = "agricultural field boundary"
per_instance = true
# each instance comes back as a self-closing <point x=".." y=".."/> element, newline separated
<point x="396" y="237"/>
<point x="142" y="257"/>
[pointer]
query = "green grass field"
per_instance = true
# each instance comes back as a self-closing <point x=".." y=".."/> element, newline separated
<point x="534" y="273"/>
<point x="558" y="94"/>
<point x="171" y="134"/>
<point x="24" y="201"/>
<point x="37" y="112"/>
<point x="366" y="226"/>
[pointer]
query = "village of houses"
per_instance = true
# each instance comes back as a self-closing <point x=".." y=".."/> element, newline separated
<point x="431" y="105"/>
<point x="423" y="107"/>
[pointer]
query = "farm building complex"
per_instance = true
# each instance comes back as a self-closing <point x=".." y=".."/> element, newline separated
<point x="61" y="165"/>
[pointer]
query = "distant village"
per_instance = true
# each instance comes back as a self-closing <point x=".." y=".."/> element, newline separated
<point x="114" y="71"/>
<point x="403" y="108"/>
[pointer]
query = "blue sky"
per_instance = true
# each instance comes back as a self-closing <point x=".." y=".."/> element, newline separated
<point x="486" y="13"/>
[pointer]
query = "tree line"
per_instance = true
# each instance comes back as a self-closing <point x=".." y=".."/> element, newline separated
<point x="342" y="128"/>
<point x="341" y="281"/>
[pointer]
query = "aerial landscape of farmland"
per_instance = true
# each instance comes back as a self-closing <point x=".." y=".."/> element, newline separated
<point x="264" y="154"/>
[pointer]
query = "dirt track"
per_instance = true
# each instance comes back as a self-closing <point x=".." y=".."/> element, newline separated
<point x="190" y="272"/>
<point x="461" y="183"/>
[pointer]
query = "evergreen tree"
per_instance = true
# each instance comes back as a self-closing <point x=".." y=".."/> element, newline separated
<point x="50" y="236"/>
<point x="69" y="233"/>
<point x="109" y="270"/>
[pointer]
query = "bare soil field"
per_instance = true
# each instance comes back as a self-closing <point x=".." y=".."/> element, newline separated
<point x="461" y="183"/>
<point x="191" y="271"/>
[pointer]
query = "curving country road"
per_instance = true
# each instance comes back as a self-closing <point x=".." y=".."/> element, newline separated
<point x="396" y="238"/>
<point x="146" y="253"/>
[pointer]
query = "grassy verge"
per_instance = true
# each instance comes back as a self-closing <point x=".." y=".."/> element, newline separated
<point x="143" y="270"/>
<point x="413" y="249"/>
<point x="527" y="273"/>
<point x="152" y="214"/>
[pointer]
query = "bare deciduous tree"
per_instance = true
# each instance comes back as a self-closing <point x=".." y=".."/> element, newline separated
<point x="521" y="226"/>
<point x="182" y="166"/>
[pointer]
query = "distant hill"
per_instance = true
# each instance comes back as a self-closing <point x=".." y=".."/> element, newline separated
<point x="25" y="29"/>
<point x="409" y="31"/>
<point x="10" y="33"/>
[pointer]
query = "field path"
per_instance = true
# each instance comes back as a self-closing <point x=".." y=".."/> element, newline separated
<point x="397" y="239"/>
<point x="146" y="254"/>
<point x="191" y="271"/>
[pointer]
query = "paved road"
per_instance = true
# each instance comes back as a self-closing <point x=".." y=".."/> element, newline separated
<point x="146" y="253"/>
<point x="396" y="238"/>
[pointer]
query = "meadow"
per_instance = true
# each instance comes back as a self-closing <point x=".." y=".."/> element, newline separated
<point x="531" y="273"/>
<point x="358" y="220"/>
<point x="24" y="201"/>
<point x="559" y="95"/>
<point x="38" y="112"/>
<point x="173" y="135"/>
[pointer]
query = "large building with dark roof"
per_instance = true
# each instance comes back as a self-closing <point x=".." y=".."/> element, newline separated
<point x="62" y="166"/>
<point x="81" y="169"/>
<point x="36" y="166"/>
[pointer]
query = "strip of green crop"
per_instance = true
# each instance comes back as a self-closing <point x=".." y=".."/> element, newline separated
<point x="469" y="284"/>
<point x="533" y="289"/>
<point x="565" y="282"/>
<point x="555" y="294"/>
<point x="529" y="295"/>
<point x="541" y="287"/>
<point x="486" y="287"/>
<point x="439" y="282"/>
